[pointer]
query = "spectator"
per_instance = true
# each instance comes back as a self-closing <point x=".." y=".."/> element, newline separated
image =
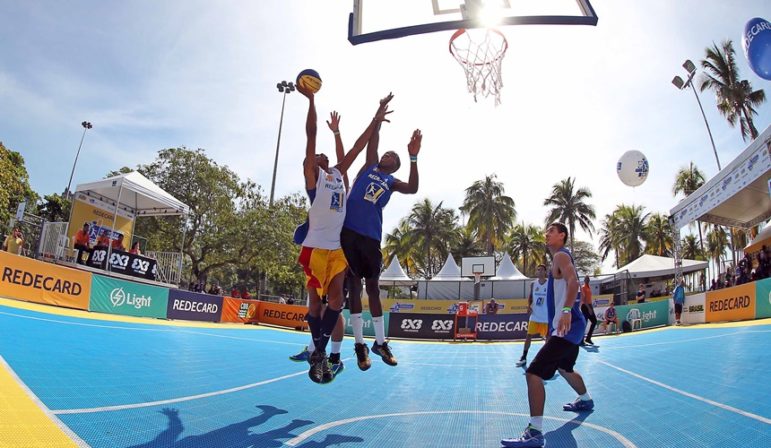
<point x="135" y="249"/>
<point x="102" y="241"/>
<point x="610" y="317"/>
<point x="215" y="289"/>
<point x="588" y="310"/>
<point x="281" y="300"/>
<point x="235" y="293"/>
<point x="290" y="301"/>
<point x="679" y="297"/>
<point x="14" y="242"/>
<point x="714" y="285"/>
<point x="491" y="307"/>
<point x="246" y="295"/>
<point x="117" y="244"/>
<point x="640" y="294"/>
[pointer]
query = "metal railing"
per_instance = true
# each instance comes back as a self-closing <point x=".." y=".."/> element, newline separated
<point x="54" y="244"/>
<point x="169" y="266"/>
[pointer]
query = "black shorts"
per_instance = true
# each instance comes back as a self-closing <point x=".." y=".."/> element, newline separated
<point x="363" y="254"/>
<point x="557" y="353"/>
<point x="678" y="308"/>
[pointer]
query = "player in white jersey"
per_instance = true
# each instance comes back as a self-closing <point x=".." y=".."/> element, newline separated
<point x="321" y="256"/>
<point x="539" y="314"/>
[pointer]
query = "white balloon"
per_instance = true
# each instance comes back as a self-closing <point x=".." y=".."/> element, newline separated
<point x="632" y="168"/>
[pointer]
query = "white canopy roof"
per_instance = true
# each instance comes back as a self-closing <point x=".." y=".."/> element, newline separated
<point x="738" y="196"/>
<point x="655" y="266"/>
<point x="450" y="272"/>
<point x="137" y="194"/>
<point x="507" y="270"/>
<point x="395" y="274"/>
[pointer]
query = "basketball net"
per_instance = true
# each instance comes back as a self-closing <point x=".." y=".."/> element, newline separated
<point x="477" y="277"/>
<point x="480" y="53"/>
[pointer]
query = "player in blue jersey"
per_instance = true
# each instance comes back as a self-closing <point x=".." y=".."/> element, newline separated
<point x="566" y="328"/>
<point x="363" y="231"/>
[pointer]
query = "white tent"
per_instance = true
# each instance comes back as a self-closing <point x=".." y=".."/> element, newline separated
<point x="449" y="272"/>
<point x="446" y="284"/>
<point x="394" y="274"/>
<point x="508" y="271"/>
<point x="654" y="266"/>
<point x="134" y="193"/>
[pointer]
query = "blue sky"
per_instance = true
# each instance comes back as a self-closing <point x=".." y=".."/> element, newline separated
<point x="151" y="75"/>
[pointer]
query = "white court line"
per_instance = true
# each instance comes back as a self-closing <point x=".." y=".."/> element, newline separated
<point x="159" y="330"/>
<point x="66" y="429"/>
<point x="302" y="437"/>
<point x="690" y="395"/>
<point x="610" y="347"/>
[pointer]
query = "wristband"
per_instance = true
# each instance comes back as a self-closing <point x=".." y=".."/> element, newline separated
<point x="413" y="158"/>
<point x="566" y="309"/>
<point x="336" y="132"/>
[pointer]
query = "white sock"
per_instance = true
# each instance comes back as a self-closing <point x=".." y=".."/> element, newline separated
<point x="336" y="346"/>
<point x="311" y="346"/>
<point x="379" y="329"/>
<point x="537" y="422"/>
<point x="357" y="323"/>
<point x="585" y="397"/>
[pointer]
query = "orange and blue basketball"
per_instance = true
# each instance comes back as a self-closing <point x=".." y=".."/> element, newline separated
<point x="310" y="80"/>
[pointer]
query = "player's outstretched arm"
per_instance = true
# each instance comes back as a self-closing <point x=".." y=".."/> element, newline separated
<point x="413" y="148"/>
<point x="380" y="116"/>
<point x="374" y="139"/>
<point x="309" y="166"/>
<point x="334" y="126"/>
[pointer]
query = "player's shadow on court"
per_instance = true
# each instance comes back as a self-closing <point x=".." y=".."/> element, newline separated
<point x="239" y="435"/>
<point x="591" y="348"/>
<point x="562" y="437"/>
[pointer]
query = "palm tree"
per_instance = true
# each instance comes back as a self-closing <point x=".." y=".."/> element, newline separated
<point x="570" y="207"/>
<point x="398" y="244"/>
<point x="687" y="181"/>
<point x="528" y="244"/>
<point x="691" y="249"/>
<point x="658" y="235"/>
<point x="466" y="244"/>
<point x="736" y="100"/>
<point x="432" y="232"/>
<point x="490" y="212"/>
<point x="631" y="228"/>
<point x="610" y="238"/>
<point x="717" y="241"/>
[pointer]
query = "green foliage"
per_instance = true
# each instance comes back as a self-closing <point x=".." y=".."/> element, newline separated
<point x="658" y="235"/>
<point x="14" y="185"/>
<point x="570" y="207"/>
<point x="586" y="258"/>
<point x="55" y="208"/>
<point x="527" y="246"/>
<point x="491" y="213"/>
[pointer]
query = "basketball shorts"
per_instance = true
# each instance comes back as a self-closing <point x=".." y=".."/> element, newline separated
<point x="557" y="353"/>
<point x="363" y="254"/>
<point x="678" y="308"/>
<point x="321" y="266"/>
<point x="537" y="328"/>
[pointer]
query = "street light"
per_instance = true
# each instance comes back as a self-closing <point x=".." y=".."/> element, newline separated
<point x="86" y="126"/>
<point x="680" y="84"/>
<point x="285" y="88"/>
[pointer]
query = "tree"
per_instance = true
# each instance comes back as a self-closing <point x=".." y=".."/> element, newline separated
<point x="630" y="231"/>
<point x="717" y="241"/>
<point x="658" y="235"/>
<point x="610" y="238"/>
<point x="736" y="100"/>
<point x="466" y="244"/>
<point x="691" y="249"/>
<point x="490" y="212"/>
<point x="55" y="208"/>
<point x="14" y="185"/>
<point x="586" y="258"/>
<point x="570" y="207"/>
<point x="527" y="243"/>
<point x="398" y="244"/>
<point x="688" y="180"/>
<point x="433" y="231"/>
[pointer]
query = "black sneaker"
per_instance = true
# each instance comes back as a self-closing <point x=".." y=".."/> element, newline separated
<point x="362" y="356"/>
<point x="384" y="351"/>
<point x="318" y="363"/>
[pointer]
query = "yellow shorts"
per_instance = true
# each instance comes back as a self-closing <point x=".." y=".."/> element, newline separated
<point x="321" y="266"/>
<point x="534" y="328"/>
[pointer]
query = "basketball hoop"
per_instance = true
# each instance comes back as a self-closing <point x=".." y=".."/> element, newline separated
<point x="480" y="53"/>
<point x="477" y="277"/>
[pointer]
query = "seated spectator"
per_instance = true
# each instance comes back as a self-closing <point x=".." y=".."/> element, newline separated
<point x="491" y="307"/>
<point x="235" y="293"/>
<point x="102" y="241"/>
<point x="135" y="249"/>
<point x="610" y="317"/>
<point x="640" y="296"/>
<point x="714" y="285"/>
<point x="281" y="300"/>
<point x="82" y="243"/>
<point x="117" y="244"/>
<point x="246" y="295"/>
<point x="14" y="242"/>
<point x="290" y="301"/>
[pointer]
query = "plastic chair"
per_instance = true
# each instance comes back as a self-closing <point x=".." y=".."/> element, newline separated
<point x="635" y="318"/>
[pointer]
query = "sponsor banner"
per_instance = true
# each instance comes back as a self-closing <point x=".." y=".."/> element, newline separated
<point x="194" y="306"/>
<point x="421" y="326"/>
<point x="239" y="310"/>
<point x="369" y="327"/>
<point x="501" y="326"/>
<point x="99" y="216"/>
<point x="763" y="296"/>
<point x="505" y="306"/>
<point x="124" y="263"/>
<point x="292" y="316"/>
<point x="35" y="281"/>
<point x="114" y="296"/>
<point x="731" y="304"/>
<point x="693" y="309"/>
<point x="651" y="314"/>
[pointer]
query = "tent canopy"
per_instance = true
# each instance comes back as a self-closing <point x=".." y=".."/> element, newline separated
<point x="507" y="270"/>
<point x="137" y="194"/>
<point x="655" y="266"/>
<point x="450" y="272"/>
<point x="738" y="196"/>
<point x="394" y="274"/>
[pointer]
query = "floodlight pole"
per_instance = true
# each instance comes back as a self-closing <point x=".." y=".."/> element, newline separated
<point x="285" y="88"/>
<point x="678" y="82"/>
<point x="86" y="126"/>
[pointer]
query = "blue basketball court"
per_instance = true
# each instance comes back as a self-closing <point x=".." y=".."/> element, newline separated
<point x="121" y="382"/>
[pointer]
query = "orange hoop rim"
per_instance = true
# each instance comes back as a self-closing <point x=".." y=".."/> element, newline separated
<point x="462" y="31"/>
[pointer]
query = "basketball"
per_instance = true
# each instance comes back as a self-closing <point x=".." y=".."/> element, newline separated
<point x="310" y="80"/>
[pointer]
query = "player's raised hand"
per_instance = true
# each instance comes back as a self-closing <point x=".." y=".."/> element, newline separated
<point x="413" y="147"/>
<point x="304" y="90"/>
<point x="382" y="114"/>
<point x="334" y="121"/>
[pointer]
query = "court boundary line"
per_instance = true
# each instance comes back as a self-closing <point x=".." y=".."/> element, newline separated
<point x="717" y="404"/>
<point x="305" y="435"/>
<point x="50" y="414"/>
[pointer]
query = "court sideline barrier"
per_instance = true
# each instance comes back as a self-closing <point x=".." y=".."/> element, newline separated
<point x="651" y="314"/>
<point x="189" y="305"/>
<point x="731" y="304"/>
<point x="369" y="327"/>
<point x="763" y="297"/>
<point x="693" y="309"/>
<point x="291" y="316"/>
<point x="30" y="280"/>
<point x="442" y="326"/>
<point x="115" y="296"/>
<point x="239" y="310"/>
<point x="422" y="306"/>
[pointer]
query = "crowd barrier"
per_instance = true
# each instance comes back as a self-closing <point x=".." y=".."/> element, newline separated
<point x="505" y="306"/>
<point x="693" y="309"/>
<point x="650" y="314"/>
<point x="442" y="326"/>
<point x="114" y="296"/>
<point x="742" y="302"/>
<point x="239" y="310"/>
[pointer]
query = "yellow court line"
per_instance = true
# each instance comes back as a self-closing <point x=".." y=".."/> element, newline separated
<point x="23" y="421"/>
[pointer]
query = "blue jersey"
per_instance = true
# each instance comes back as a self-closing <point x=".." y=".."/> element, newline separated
<point x="369" y="194"/>
<point x="577" y="320"/>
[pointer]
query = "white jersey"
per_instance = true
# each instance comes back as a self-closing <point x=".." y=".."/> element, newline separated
<point x="327" y="213"/>
<point x="540" y="312"/>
